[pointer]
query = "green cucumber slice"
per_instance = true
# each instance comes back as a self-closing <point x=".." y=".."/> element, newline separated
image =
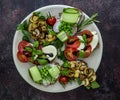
<point x="54" y="72"/>
<point x="70" y="15"/>
<point x="71" y="10"/>
<point x="70" y="18"/>
<point x="35" y="74"/>
<point x="62" y="36"/>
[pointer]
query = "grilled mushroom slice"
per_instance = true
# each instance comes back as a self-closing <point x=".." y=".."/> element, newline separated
<point x="77" y="72"/>
<point x="50" y="38"/>
<point x="34" y="19"/>
<point x="86" y="82"/>
<point x="30" y="28"/>
<point x="92" y="78"/>
<point x="91" y="72"/>
<point x="72" y="64"/>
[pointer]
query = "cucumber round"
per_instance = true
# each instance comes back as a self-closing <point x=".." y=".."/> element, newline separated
<point x="70" y="10"/>
<point x="70" y="15"/>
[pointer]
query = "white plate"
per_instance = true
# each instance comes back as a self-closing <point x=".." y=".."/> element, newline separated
<point x="93" y="61"/>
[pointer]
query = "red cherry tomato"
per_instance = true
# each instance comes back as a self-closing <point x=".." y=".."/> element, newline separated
<point x="40" y="47"/>
<point x="73" y="42"/>
<point x="22" y="45"/>
<point x="51" y="21"/>
<point x="22" y="57"/>
<point x="87" y="51"/>
<point x="63" y="79"/>
<point x="88" y="34"/>
<point x="71" y="54"/>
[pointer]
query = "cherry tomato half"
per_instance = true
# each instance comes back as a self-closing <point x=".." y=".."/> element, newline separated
<point x="63" y="79"/>
<point x="88" y="34"/>
<point x="71" y="54"/>
<point x="88" y="51"/>
<point x="51" y="21"/>
<point x="22" y="57"/>
<point x="73" y="42"/>
<point x="22" y="45"/>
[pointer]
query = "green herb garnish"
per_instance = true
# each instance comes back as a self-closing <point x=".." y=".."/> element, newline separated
<point x="27" y="48"/>
<point x="66" y="64"/>
<point x="64" y="72"/>
<point x="81" y="54"/>
<point x="61" y="55"/>
<point x="95" y="85"/>
<point x="87" y="21"/>
<point x="78" y="81"/>
<point x="23" y="27"/>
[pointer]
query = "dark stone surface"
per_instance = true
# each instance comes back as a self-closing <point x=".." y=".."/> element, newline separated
<point x="13" y="87"/>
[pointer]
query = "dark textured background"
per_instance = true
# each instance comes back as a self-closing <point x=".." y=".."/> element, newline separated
<point x="13" y="87"/>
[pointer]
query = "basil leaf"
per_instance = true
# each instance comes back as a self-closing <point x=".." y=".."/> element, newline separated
<point x="58" y="44"/>
<point x="32" y="59"/>
<point x="42" y="17"/>
<point x="36" y="13"/>
<point x="64" y="72"/>
<point x="66" y="64"/>
<point x="82" y="41"/>
<point x="42" y="61"/>
<point x="46" y="43"/>
<point x="23" y="26"/>
<point x="39" y="52"/>
<point x="36" y="44"/>
<point x="25" y="38"/>
<point x="26" y="33"/>
<point x="20" y="27"/>
<point x="95" y="85"/>
<point x="43" y="57"/>
<point x="81" y="54"/>
<point x="78" y="81"/>
<point x="28" y="49"/>
<point x="61" y="56"/>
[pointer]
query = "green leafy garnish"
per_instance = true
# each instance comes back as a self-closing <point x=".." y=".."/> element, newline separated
<point x="41" y="16"/>
<point x="36" y="44"/>
<point x="27" y="34"/>
<point x="95" y="85"/>
<point x="23" y="26"/>
<point x="27" y="48"/>
<point x="61" y="55"/>
<point x="88" y="21"/>
<point x="37" y="13"/>
<point x="81" y="54"/>
<point x="50" y="30"/>
<point x="64" y="72"/>
<point x="78" y="81"/>
<point x="85" y="40"/>
<point x="46" y="43"/>
<point x="42" y="61"/>
<point x="66" y="64"/>
<point x="57" y="43"/>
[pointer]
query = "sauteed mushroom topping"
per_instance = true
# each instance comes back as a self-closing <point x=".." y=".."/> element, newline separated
<point x="79" y="69"/>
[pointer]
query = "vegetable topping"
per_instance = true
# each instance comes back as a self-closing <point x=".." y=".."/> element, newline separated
<point x="56" y="45"/>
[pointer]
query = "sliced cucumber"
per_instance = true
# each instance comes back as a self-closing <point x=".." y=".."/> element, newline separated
<point x="35" y="74"/>
<point x="62" y="36"/>
<point x="71" y="10"/>
<point x="70" y="15"/>
<point x="54" y="72"/>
